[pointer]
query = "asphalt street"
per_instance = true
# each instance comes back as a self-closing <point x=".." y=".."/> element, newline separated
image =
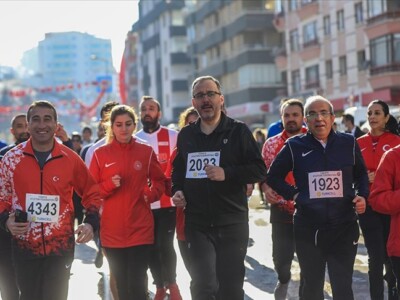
<point x="88" y="282"/>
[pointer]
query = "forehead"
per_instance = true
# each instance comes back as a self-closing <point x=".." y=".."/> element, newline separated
<point x="123" y="118"/>
<point x="42" y="112"/>
<point x="375" y="106"/>
<point x="20" y="120"/>
<point x="290" y="109"/>
<point x="149" y="104"/>
<point x="205" y="85"/>
<point x="319" y="105"/>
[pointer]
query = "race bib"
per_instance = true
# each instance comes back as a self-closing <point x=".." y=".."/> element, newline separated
<point x="43" y="208"/>
<point x="326" y="184"/>
<point x="197" y="162"/>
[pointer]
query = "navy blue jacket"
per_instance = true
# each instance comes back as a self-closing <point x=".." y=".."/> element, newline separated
<point x="305" y="154"/>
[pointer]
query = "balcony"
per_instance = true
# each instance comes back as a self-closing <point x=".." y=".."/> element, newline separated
<point x="383" y="24"/>
<point x="386" y="76"/>
<point x="308" y="10"/>
<point x="311" y="50"/>
<point x="279" y="22"/>
<point x="312" y="85"/>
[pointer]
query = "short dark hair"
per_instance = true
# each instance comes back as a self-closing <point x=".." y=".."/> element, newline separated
<point x="13" y="120"/>
<point x="203" y="78"/>
<point x="348" y="117"/>
<point x="41" y="103"/>
<point x="149" y="98"/>
<point x="293" y="102"/>
<point x="107" y="107"/>
<point x="87" y="128"/>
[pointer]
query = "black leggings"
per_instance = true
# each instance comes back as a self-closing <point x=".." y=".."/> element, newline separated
<point x="129" y="266"/>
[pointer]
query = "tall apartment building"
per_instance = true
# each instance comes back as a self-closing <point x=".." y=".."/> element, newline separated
<point x="163" y="64"/>
<point x="348" y="51"/>
<point x="131" y="70"/>
<point x="74" y="59"/>
<point x="234" y="41"/>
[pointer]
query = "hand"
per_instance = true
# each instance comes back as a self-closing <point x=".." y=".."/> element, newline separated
<point x="116" y="179"/>
<point x="271" y="196"/>
<point x="179" y="199"/>
<point x="215" y="173"/>
<point x="371" y="177"/>
<point x="16" y="228"/>
<point x="84" y="232"/>
<point x="249" y="189"/>
<point x="61" y="133"/>
<point x="360" y="204"/>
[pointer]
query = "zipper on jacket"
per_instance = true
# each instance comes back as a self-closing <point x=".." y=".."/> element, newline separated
<point x="42" y="226"/>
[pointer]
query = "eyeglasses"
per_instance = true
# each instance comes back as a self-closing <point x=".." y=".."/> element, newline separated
<point x="209" y="94"/>
<point x="314" y="115"/>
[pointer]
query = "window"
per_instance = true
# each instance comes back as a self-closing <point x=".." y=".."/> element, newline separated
<point x="340" y="20"/>
<point x="328" y="69"/>
<point x="258" y="75"/>
<point x="292" y="5"/>
<point x="294" y="40"/>
<point x="361" y="62"/>
<point x="296" y="84"/>
<point x="342" y="65"/>
<point x="385" y="50"/>
<point x="303" y="2"/>
<point x="358" y="12"/>
<point x="310" y="33"/>
<point x="327" y="25"/>
<point x="376" y="7"/>
<point x="312" y="77"/>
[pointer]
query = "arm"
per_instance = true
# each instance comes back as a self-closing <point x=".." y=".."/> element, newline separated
<point x="280" y="167"/>
<point x="5" y="193"/>
<point x="106" y="187"/>
<point x="361" y="182"/>
<point x="384" y="196"/>
<point x="157" y="178"/>
<point x="252" y="168"/>
<point x="178" y="169"/>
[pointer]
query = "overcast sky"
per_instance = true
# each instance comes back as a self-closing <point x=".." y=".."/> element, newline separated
<point x="24" y="23"/>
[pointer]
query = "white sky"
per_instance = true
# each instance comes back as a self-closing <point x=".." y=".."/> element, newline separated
<point x="24" y="23"/>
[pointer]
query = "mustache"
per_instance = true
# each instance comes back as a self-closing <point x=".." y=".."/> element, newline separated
<point x="206" y="106"/>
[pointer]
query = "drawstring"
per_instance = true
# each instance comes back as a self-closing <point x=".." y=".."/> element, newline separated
<point x="316" y="238"/>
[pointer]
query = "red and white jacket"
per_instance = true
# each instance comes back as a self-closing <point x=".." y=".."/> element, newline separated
<point x="372" y="154"/>
<point x="126" y="218"/>
<point x="63" y="172"/>
<point x="385" y="196"/>
<point x="163" y="142"/>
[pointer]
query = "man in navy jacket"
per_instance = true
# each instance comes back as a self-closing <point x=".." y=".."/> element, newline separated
<point x="331" y="188"/>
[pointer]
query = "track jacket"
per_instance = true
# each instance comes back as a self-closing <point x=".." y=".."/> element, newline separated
<point x="163" y="142"/>
<point x="126" y="218"/>
<point x="385" y="196"/>
<point x="321" y="175"/>
<point x="64" y="170"/>
<point x="232" y="147"/>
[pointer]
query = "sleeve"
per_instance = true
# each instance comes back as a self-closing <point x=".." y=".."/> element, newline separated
<point x="252" y="168"/>
<point x="157" y="179"/>
<point x="106" y="187"/>
<point x="280" y="167"/>
<point x="86" y="187"/>
<point x="384" y="196"/>
<point x="168" y="173"/>
<point x="178" y="167"/>
<point x="361" y="182"/>
<point x="5" y="192"/>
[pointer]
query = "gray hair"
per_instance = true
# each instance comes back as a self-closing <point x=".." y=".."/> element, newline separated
<point x="310" y="100"/>
<point x="208" y="77"/>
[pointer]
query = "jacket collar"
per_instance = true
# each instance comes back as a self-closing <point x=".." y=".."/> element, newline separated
<point x="28" y="148"/>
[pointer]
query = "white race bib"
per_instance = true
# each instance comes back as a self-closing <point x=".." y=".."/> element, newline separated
<point x="197" y="162"/>
<point x="43" y="208"/>
<point x="325" y="184"/>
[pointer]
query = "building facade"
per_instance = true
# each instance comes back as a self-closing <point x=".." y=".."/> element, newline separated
<point x="234" y="41"/>
<point x="163" y="65"/>
<point x="348" y="51"/>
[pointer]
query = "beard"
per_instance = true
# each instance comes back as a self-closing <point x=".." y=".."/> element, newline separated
<point x="292" y="128"/>
<point x="22" y="137"/>
<point x="149" y="124"/>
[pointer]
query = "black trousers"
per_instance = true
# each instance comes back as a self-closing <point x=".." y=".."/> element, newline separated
<point x="283" y="249"/>
<point x="217" y="261"/>
<point x="162" y="261"/>
<point x="8" y="283"/>
<point x="43" y="278"/>
<point x="129" y="267"/>
<point x="395" y="261"/>
<point x="184" y="250"/>
<point x="375" y="228"/>
<point x="335" y="248"/>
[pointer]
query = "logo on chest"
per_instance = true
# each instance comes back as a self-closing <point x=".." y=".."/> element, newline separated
<point x="137" y="165"/>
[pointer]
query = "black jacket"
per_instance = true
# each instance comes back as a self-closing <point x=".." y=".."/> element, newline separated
<point x="217" y="203"/>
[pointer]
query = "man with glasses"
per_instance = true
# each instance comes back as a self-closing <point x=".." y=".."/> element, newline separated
<point x="331" y="188"/>
<point x="216" y="158"/>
